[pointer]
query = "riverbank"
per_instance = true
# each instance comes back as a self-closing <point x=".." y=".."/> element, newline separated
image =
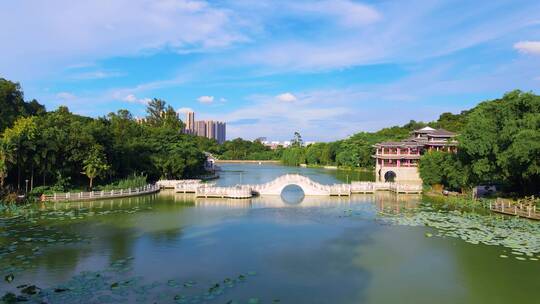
<point x="239" y="161"/>
<point x="337" y="168"/>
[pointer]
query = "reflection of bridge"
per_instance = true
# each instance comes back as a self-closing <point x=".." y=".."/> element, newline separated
<point x="276" y="186"/>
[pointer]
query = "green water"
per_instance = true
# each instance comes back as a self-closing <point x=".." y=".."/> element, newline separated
<point x="173" y="248"/>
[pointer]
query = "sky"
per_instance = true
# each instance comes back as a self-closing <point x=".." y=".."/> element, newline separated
<point x="326" y="69"/>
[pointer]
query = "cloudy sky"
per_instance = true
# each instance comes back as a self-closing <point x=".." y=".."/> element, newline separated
<point x="325" y="68"/>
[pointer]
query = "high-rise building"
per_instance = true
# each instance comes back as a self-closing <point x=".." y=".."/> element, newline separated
<point x="210" y="129"/>
<point x="200" y="128"/>
<point x="207" y="128"/>
<point x="221" y="132"/>
<point x="190" y="121"/>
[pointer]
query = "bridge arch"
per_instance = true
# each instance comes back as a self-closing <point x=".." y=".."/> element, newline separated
<point x="292" y="194"/>
<point x="276" y="186"/>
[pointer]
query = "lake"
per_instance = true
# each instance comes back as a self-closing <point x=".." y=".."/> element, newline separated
<point x="173" y="248"/>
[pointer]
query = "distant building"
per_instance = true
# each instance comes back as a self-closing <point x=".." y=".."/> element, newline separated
<point x="398" y="161"/>
<point x="207" y="128"/>
<point x="200" y="128"/>
<point x="190" y="121"/>
<point x="283" y="144"/>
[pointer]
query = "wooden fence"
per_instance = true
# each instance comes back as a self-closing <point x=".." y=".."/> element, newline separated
<point x="510" y="208"/>
<point x="95" y="195"/>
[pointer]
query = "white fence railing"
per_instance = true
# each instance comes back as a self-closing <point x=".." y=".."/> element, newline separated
<point x="93" y="195"/>
<point x="224" y="192"/>
<point x="369" y="187"/>
<point x="171" y="183"/>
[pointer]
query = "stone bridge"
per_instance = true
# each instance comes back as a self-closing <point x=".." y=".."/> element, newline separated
<point x="276" y="186"/>
<point x="310" y="187"/>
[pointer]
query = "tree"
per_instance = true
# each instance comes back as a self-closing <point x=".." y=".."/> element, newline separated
<point x="21" y="137"/>
<point x="432" y="167"/>
<point x="500" y="142"/>
<point x="297" y="140"/>
<point x="293" y="156"/>
<point x="95" y="164"/>
<point x="13" y="105"/>
<point x="6" y="156"/>
<point x="314" y="153"/>
<point x="155" y="112"/>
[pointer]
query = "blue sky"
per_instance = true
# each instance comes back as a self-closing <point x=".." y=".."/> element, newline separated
<point x="327" y="69"/>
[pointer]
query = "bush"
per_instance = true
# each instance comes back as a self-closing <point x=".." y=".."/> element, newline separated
<point x="38" y="191"/>
<point x="133" y="181"/>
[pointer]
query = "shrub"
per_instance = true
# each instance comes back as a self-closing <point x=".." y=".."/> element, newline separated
<point x="133" y="181"/>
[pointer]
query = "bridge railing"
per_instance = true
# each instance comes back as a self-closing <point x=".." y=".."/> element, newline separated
<point x="225" y="192"/>
<point x="171" y="183"/>
<point x="93" y="195"/>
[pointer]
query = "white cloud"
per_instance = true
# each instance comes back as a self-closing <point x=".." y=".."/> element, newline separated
<point x="184" y="110"/>
<point x="66" y="96"/>
<point x="96" y="75"/>
<point x="344" y="12"/>
<point x="131" y="98"/>
<point x="101" y="29"/>
<point x="286" y="97"/>
<point x="205" y="99"/>
<point x="528" y="47"/>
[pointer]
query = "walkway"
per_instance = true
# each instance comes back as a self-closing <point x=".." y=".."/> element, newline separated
<point x="96" y="195"/>
<point x="509" y="208"/>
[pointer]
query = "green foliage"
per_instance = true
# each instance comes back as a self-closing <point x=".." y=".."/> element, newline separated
<point x="132" y="181"/>
<point x="51" y="149"/>
<point x="443" y="168"/>
<point x="297" y="141"/>
<point x="501" y="142"/>
<point x="239" y="149"/>
<point x="13" y="105"/>
<point x="294" y="156"/>
<point x="162" y="115"/>
<point x="95" y="164"/>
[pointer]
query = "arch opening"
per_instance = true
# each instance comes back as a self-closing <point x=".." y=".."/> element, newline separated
<point x="292" y="194"/>
<point x="390" y="176"/>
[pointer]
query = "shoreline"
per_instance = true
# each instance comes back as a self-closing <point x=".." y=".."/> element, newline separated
<point x="237" y="161"/>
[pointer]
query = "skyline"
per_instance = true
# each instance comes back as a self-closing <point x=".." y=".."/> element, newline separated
<point x="327" y="69"/>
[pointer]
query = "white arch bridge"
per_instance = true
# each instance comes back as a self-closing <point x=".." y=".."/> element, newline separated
<point x="276" y="186"/>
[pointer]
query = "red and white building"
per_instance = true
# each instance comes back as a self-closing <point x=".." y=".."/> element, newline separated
<point x="398" y="161"/>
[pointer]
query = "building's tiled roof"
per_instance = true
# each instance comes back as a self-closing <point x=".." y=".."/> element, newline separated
<point x="442" y="133"/>
<point x="425" y="130"/>
<point x="420" y="142"/>
<point x="412" y="144"/>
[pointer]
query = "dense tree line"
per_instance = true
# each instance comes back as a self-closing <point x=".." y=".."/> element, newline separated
<point x="356" y="151"/>
<point x="499" y="143"/>
<point x="60" y="149"/>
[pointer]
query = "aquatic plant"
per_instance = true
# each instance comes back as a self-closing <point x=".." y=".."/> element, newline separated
<point x="112" y="285"/>
<point x="520" y="235"/>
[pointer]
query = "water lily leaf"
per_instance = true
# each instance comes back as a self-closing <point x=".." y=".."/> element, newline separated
<point x="31" y="290"/>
